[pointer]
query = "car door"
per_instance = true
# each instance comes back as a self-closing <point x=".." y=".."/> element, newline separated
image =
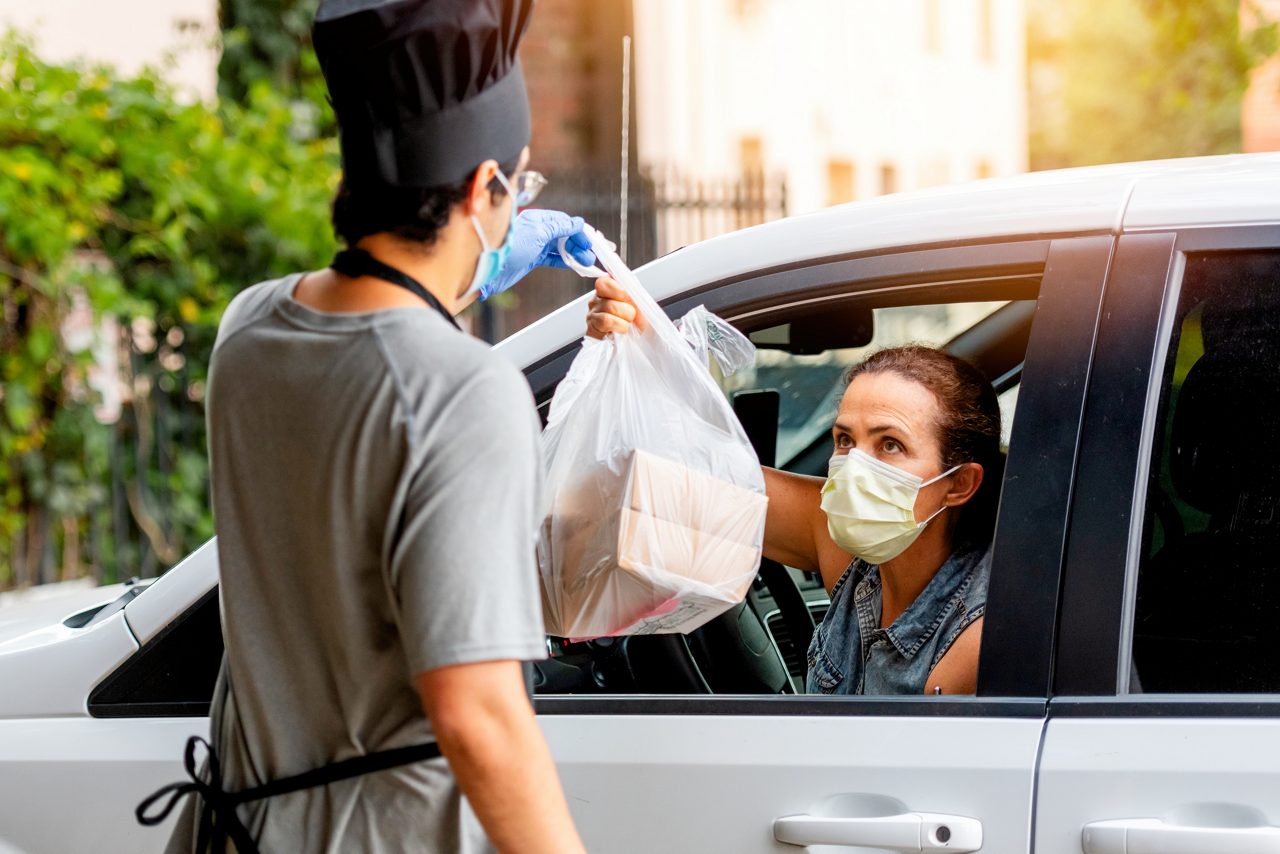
<point x="765" y="773"/>
<point x="1164" y="728"/>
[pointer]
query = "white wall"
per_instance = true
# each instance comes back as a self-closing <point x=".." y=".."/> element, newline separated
<point x="126" y="33"/>
<point x="818" y="80"/>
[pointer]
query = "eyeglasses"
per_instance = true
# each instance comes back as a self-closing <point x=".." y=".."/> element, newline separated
<point x="528" y="184"/>
<point x="524" y="186"/>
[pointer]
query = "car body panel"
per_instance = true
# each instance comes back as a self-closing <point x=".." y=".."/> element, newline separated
<point x="703" y="783"/>
<point x="80" y="658"/>
<point x="72" y="783"/>
<point x="1211" y="191"/>
<point x="38" y="607"/>
<point x="1135" y="768"/>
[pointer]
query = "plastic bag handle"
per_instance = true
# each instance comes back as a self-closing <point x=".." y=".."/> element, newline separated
<point x="572" y="263"/>
<point x="658" y="322"/>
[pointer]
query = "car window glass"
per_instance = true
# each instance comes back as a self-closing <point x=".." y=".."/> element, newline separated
<point x="810" y="387"/>
<point x="1208" y="586"/>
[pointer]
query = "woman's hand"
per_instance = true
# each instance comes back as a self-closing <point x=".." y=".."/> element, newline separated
<point x="611" y="310"/>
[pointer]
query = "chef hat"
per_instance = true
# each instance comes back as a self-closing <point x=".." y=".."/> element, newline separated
<point x="424" y="90"/>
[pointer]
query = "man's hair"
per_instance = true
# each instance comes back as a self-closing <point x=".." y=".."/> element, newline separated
<point x="413" y="214"/>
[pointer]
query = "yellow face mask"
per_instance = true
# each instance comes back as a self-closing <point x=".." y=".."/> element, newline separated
<point x="870" y="506"/>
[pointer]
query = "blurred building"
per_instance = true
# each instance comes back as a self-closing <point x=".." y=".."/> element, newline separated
<point x="1260" y="110"/>
<point x="846" y="99"/>
<point x="747" y="110"/>
<point x="179" y="35"/>
<point x="741" y="111"/>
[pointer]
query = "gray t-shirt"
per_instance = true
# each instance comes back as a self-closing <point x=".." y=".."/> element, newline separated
<point x="376" y="485"/>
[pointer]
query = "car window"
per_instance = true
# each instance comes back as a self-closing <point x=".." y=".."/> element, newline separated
<point x="174" y="674"/>
<point x="810" y="387"/>
<point x="1206" y="617"/>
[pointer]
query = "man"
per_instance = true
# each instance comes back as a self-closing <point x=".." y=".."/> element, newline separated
<point x="376" y="476"/>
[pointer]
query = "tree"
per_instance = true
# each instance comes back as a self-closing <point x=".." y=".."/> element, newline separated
<point x="266" y="45"/>
<point x="128" y="220"/>
<point x="1119" y="80"/>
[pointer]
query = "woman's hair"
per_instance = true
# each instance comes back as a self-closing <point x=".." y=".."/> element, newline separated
<point x="412" y="214"/>
<point x="968" y="430"/>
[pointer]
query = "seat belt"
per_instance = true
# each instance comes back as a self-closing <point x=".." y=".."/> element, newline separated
<point x="218" y="819"/>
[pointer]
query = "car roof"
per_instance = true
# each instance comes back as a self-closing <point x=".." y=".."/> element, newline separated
<point x="1152" y="195"/>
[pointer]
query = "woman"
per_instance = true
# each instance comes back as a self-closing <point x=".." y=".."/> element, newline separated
<point x="900" y="530"/>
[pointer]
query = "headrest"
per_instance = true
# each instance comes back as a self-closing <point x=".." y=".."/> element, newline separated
<point x="1225" y="438"/>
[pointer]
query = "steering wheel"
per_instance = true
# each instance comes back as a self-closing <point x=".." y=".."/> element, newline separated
<point x="738" y="653"/>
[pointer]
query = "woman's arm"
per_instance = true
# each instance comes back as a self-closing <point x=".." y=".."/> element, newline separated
<point x="795" y="528"/>
<point x="957" y="672"/>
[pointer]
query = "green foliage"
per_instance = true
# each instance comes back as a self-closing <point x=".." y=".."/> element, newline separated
<point x="1119" y="80"/>
<point x="269" y="41"/>
<point x="118" y="201"/>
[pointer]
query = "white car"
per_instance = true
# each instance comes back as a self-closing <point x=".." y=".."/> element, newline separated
<point x="1129" y="687"/>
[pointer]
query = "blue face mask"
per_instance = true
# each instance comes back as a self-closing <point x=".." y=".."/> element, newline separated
<point x="491" y="261"/>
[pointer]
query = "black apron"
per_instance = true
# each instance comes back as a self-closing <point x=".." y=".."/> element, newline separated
<point x="218" y="822"/>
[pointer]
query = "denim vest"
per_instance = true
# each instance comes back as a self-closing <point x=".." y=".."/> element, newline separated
<point x="851" y="654"/>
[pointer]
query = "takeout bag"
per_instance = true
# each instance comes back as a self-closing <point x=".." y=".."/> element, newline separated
<point x="655" y="501"/>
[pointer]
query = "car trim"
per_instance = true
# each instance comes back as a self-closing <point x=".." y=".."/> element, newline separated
<point x="789" y="705"/>
<point x="1243" y="225"/>
<point x="102" y="698"/>
<point x="1142" y="471"/>
<point x="1011" y="279"/>
<point x="1118" y="228"/>
<point x="1026" y="571"/>
<point x="1168" y="706"/>
<point x="868" y="274"/>
<point x="1085" y="660"/>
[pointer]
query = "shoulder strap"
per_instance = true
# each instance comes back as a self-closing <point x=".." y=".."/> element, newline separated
<point x="357" y="262"/>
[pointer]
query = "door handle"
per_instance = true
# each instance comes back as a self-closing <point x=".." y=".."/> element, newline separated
<point x="1153" y="836"/>
<point x="912" y="831"/>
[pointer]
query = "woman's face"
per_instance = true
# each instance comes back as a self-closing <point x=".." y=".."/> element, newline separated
<point x="893" y="419"/>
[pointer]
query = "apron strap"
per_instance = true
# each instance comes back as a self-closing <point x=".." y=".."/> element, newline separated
<point x="357" y="262"/>
<point x="218" y="819"/>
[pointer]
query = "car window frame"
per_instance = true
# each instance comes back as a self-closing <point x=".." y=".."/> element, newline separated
<point x="1071" y="271"/>
<point x="1094" y="637"/>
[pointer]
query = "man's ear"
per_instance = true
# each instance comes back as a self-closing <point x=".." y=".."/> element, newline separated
<point x="478" y="198"/>
<point x="964" y="484"/>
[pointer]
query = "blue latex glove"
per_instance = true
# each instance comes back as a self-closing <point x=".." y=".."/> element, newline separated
<point x="534" y="239"/>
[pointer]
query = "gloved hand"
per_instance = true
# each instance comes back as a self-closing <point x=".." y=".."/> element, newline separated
<point x="534" y="242"/>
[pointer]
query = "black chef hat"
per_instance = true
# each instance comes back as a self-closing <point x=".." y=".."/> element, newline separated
<point x="424" y="90"/>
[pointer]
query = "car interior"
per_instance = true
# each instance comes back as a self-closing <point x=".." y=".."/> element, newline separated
<point x="759" y="646"/>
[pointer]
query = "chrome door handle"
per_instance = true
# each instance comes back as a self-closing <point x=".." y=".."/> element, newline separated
<point x="1153" y="836"/>
<point x="912" y="831"/>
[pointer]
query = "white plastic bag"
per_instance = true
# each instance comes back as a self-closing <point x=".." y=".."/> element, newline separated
<point x="655" y="499"/>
